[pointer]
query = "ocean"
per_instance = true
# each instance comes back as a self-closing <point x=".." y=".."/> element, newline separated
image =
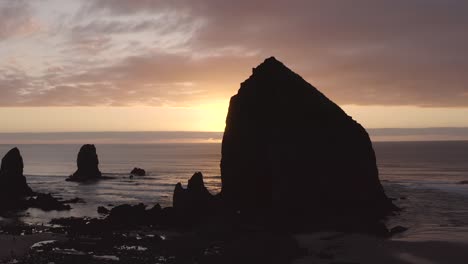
<point x="423" y="177"/>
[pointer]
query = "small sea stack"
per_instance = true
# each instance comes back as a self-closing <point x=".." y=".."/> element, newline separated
<point x="287" y="146"/>
<point x="88" y="165"/>
<point x="194" y="200"/>
<point x="12" y="181"/>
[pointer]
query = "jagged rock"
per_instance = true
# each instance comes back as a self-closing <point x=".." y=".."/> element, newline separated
<point x="12" y="181"/>
<point x="288" y="146"/>
<point x="87" y="163"/>
<point x="138" y="172"/>
<point x="193" y="200"/>
<point x="47" y="202"/>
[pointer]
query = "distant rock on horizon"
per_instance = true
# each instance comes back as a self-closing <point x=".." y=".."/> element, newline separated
<point x="12" y="181"/>
<point x="138" y="172"/>
<point x="88" y="165"/>
<point x="287" y="147"/>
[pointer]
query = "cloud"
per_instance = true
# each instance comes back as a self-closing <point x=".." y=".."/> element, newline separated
<point x="16" y="19"/>
<point x="157" y="80"/>
<point x="366" y="52"/>
<point x="360" y="52"/>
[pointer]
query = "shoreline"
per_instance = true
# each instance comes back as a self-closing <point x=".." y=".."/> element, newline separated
<point x="417" y="245"/>
<point x="318" y="247"/>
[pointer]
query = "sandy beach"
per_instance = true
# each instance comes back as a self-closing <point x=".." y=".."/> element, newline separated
<point x="355" y="248"/>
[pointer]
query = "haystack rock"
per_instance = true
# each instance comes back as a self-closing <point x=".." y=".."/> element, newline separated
<point x="193" y="200"/>
<point x="87" y="163"/>
<point x="286" y="146"/>
<point x="12" y="181"/>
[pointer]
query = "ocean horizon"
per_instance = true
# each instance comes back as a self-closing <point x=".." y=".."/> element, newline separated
<point x="158" y="137"/>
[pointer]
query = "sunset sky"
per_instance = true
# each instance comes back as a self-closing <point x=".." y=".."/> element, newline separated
<point x="149" y="65"/>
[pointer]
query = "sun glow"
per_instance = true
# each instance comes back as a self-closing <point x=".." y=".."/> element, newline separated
<point x="212" y="116"/>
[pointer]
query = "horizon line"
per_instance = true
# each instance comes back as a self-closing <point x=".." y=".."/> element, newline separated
<point x="206" y="131"/>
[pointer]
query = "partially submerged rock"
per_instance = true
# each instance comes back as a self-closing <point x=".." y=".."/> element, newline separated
<point x="138" y="172"/>
<point x="88" y="165"/>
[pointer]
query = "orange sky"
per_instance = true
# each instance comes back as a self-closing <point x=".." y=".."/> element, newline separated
<point x="117" y="65"/>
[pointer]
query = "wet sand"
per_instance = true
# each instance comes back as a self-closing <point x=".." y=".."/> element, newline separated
<point x="17" y="246"/>
<point x="355" y="248"/>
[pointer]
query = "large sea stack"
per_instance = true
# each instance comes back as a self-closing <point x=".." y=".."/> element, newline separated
<point x="12" y="181"/>
<point x="288" y="148"/>
<point x="88" y="165"/>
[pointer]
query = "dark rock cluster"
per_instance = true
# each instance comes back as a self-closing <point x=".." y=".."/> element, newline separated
<point x="88" y="165"/>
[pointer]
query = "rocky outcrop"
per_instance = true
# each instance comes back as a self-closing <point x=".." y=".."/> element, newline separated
<point x="138" y="172"/>
<point x="47" y="202"/>
<point x="127" y="214"/>
<point x="12" y="181"/>
<point x="132" y="215"/>
<point x="88" y="165"/>
<point x="194" y="200"/>
<point x="286" y="146"/>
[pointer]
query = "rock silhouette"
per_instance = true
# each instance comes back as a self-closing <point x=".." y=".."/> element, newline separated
<point x="138" y="172"/>
<point x="195" y="199"/>
<point x="12" y="181"/>
<point x="87" y="163"/>
<point x="287" y="146"/>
